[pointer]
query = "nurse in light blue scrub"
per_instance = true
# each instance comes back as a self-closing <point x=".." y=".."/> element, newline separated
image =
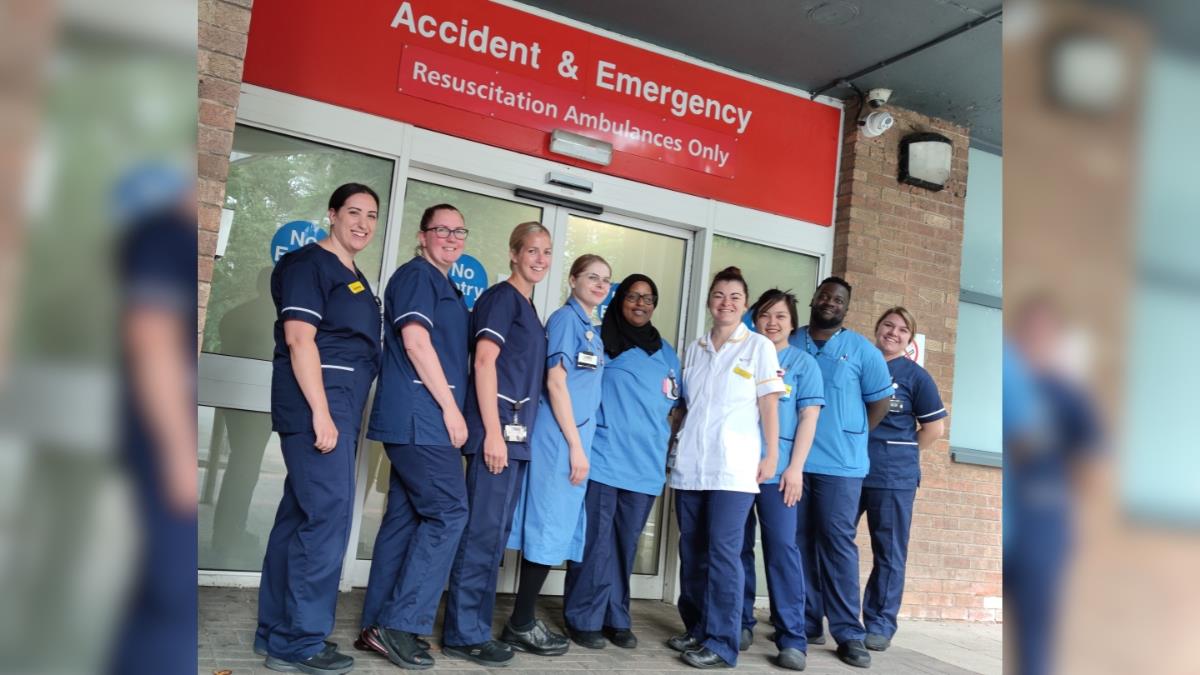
<point x="549" y="524"/>
<point x="775" y="316"/>
<point x="629" y="457"/>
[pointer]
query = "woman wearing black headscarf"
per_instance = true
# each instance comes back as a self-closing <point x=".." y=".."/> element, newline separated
<point x="628" y="469"/>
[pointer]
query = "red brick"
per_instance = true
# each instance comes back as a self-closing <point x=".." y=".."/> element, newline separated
<point x="228" y="16"/>
<point x="220" y="91"/>
<point x="219" y="39"/>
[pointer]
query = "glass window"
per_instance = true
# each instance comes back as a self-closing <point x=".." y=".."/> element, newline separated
<point x="490" y="220"/>
<point x="977" y="379"/>
<point x="630" y="251"/>
<point x="767" y="267"/>
<point x="276" y="180"/>
<point x="241" y="482"/>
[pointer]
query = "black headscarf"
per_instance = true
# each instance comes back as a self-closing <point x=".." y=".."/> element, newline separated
<point x="618" y="334"/>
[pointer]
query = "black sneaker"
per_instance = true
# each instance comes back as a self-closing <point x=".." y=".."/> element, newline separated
<point x="492" y="654"/>
<point x="537" y="639"/>
<point x="704" y="658"/>
<point x="592" y="639"/>
<point x="362" y="645"/>
<point x="877" y="643"/>
<point x="328" y="662"/>
<point x="792" y="659"/>
<point x="746" y="640"/>
<point x="683" y="643"/>
<point x="854" y="653"/>
<point x="401" y="648"/>
<point x="621" y="637"/>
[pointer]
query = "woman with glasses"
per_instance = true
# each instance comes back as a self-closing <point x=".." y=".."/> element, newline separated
<point x="418" y="417"/>
<point x="550" y="521"/>
<point x="732" y="384"/>
<point x="629" y="458"/>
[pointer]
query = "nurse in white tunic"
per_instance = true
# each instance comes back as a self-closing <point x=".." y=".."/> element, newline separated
<point x="731" y="385"/>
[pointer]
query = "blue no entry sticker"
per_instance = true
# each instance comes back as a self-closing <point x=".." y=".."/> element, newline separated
<point x="468" y="275"/>
<point x="293" y="235"/>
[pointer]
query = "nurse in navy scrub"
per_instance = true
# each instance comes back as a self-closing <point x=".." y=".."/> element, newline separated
<point x="326" y="355"/>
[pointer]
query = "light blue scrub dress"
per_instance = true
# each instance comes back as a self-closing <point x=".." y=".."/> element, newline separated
<point x="550" y="522"/>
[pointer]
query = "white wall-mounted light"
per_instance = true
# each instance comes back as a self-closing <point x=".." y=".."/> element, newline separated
<point x="925" y="160"/>
<point x="876" y="123"/>
<point x="582" y="147"/>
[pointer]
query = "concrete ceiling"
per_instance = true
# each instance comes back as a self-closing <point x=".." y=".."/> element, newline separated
<point x="809" y="43"/>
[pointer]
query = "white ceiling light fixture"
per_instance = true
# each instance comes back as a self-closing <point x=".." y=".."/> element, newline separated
<point x="925" y="160"/>
<point x="582" y="147"/>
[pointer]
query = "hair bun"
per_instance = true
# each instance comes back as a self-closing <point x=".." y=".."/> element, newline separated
<point x="732" y="271"/>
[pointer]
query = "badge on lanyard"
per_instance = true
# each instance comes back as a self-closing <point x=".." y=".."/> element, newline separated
<point x="670" y="386"/>
<point x="895" y="405"/>
<point x="515" y="432"/>
<point x="357" y="287"/>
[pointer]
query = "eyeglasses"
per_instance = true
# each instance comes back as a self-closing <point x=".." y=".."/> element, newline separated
<point x="641" y="299"/>
<point x="459" y="233"/>
<point x="593" y="278"/>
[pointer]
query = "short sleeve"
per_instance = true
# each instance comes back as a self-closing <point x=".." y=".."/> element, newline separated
<point x="411" y="297"/>
<point x="875" y="380"/>
<point x="301" y="291"/>
<point x="493" y="317"/>
<point x="154" y="267"/>
<point x="766" y="368"/>
<point x="927" y="403"/>
<point x="562" y="338"/>
<point x="810" y="386"/>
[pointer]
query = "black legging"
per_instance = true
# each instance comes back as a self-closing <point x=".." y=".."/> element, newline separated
<point x="533" y="575"/>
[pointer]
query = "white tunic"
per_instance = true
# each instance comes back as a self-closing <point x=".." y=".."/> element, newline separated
<point x="720" y="445"/>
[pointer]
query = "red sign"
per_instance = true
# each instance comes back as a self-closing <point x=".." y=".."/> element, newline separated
<point x="499" y="75"/>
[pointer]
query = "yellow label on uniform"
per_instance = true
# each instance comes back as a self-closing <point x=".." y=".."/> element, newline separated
<point x="357" y="287"/>
<point x="738" y="370"/>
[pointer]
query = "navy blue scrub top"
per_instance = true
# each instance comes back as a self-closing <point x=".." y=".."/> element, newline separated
<point x="507" y="318"/>
<point x="312" y="285"/>
<point x="895" y="457"/>
<point x="630" y="448"/>
<point x="404" y="411"/>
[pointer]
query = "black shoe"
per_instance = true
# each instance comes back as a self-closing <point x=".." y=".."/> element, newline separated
<point x="792" y="659"/>
<point x="818" y="639"/>
<point x="537" y="639"/>
<point x="877" y="643"/>
<point x="704" y="658"/>
<point x="261" y="650"/>
<point x="621" y="637"/>
<point x="401" y="648"/>
<point x="361" y="644"/>
<point x="746" y="640"/>
<point x="854" y="653"/>
<point x="328" y="662"/>
<point x="492" y="654"/>
<point x="683" y="643"/>
<point x="592" y="639"/>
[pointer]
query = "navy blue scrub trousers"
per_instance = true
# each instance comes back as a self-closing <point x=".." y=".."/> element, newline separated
<point x="785" y="571"/>
<point x="825" y="530"/>
<point x="298" y="592"/>
<point x="889" y="517"/>
<point x="472" y="594"/>
<point x="418" y="538"/>
<point x="712" y="526"/>
<point x="596" y="589"/>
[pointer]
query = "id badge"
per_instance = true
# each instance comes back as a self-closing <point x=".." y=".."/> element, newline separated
<point x="586" y="360"/>
<point x="515" y="433"/>
<point x="895" y="405"/>
<point x="670" y="387"/>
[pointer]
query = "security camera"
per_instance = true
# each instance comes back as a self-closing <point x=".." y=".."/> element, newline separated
<point x="876" y="98"/>
<point x="876" y="123"/>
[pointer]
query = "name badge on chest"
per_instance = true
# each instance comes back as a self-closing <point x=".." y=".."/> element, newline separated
<point x="895" y="405"/>
<point x="587" y="360"/>
<point x="515" y="432"/>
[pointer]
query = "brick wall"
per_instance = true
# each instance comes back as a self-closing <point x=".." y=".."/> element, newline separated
<point x="902" y="245"/>
<point x="222" y="47"/>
